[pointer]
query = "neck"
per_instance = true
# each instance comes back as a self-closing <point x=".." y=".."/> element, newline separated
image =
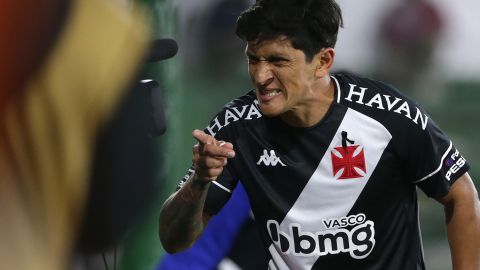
<point x="313" y="110"/>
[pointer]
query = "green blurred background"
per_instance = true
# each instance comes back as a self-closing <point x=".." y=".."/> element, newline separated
<point x="210" y="69"/>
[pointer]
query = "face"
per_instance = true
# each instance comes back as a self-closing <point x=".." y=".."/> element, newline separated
<point x="282" y="78"/>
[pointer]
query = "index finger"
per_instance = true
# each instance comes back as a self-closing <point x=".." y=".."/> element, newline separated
<point x="202" y="137"/>
<point x="224" y="149"/>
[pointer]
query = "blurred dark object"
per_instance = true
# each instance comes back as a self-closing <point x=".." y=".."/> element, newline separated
<point x="123" y="180"/>
<point x="154" y="107"/>
<point x="122" y="183"/>
<point x="411" y="24"/>
<point x="162" y="49"/>
<point x="408" y="36"/>
<point x="220" y="51"/>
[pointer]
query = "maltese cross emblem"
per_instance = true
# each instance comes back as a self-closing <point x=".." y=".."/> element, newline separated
<point x="350" y="160"/>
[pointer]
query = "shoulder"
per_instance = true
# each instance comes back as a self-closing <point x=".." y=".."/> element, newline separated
<point x="360" y="90"/>
<point x="246" y="99"/>
<point x="241" y="109"/>
<point x="380" y="101"/>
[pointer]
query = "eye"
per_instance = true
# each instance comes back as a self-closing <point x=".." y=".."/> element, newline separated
<point x="278" y="61"/>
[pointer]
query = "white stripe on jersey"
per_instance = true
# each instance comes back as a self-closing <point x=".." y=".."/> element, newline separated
<point x="339" y="93"/>
<point x="221" y="186"/>
<point x="439" y="166"/>
<point x="326" y="197"/>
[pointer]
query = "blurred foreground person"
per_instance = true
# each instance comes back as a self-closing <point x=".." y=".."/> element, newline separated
<point x="330" y="162"/>
<point x="66" y="70"/>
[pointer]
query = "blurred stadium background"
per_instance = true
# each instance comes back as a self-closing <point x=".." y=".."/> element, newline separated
<point x="210" y="69"/>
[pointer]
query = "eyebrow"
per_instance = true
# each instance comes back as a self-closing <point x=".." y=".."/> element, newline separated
<point x="277" y="58"/>
<point x="250" y="54"/>
<point x="270" y="57"/>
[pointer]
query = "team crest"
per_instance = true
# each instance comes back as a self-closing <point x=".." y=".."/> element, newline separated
<point x="348" y="161"/>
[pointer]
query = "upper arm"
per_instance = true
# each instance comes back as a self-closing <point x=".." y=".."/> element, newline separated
<point x="462" y="197"/>
<point x="462" y="191"/>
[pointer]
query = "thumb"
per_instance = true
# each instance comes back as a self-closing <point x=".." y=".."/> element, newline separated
<point x="225" y="144"/>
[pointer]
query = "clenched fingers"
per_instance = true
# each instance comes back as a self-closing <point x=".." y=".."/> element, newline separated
<point x="207" y="161"/>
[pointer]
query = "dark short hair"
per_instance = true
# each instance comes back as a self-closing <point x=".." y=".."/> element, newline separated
<point x="309" y="24"/>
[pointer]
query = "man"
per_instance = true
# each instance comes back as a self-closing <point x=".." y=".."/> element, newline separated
<point x="330" y="162"/>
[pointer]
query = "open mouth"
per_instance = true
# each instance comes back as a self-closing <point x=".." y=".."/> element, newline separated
<point x="272" y="94"/>
<point x="267" y="94"/>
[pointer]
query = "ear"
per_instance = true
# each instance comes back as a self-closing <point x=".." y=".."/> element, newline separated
<point x="324" y="60"/>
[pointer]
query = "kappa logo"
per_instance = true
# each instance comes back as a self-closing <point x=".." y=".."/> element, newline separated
<point x="270" y="159"/>
<point x="350" y="160"/>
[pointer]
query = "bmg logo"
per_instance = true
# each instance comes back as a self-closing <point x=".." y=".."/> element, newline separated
<point x="359" y="241"/>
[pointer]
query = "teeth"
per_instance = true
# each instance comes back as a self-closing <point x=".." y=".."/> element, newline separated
<point x="271" y="94"/>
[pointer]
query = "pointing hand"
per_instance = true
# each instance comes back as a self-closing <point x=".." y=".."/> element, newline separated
<point x="210" y="156"/>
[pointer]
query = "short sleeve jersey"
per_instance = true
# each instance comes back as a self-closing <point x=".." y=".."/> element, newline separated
<point x="342" y="193"/>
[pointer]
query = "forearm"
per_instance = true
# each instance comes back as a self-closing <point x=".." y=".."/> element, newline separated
<point x="181" y="218"/>
<point x="463" y="229"/>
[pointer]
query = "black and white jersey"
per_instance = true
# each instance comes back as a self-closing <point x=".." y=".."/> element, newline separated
<point x="342" y="193"/>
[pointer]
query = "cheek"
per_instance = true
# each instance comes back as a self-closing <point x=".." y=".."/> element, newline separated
<point x="251" y="71"/>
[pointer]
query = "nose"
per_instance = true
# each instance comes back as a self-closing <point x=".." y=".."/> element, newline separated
<point x="262" y="74"/>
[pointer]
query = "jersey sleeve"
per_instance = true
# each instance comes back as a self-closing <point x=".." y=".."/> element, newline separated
<point x="433" y="162"/>
<point x="220" y="192"/>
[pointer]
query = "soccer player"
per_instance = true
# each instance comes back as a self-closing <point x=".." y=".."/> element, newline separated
<point x="330" y="162"/>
